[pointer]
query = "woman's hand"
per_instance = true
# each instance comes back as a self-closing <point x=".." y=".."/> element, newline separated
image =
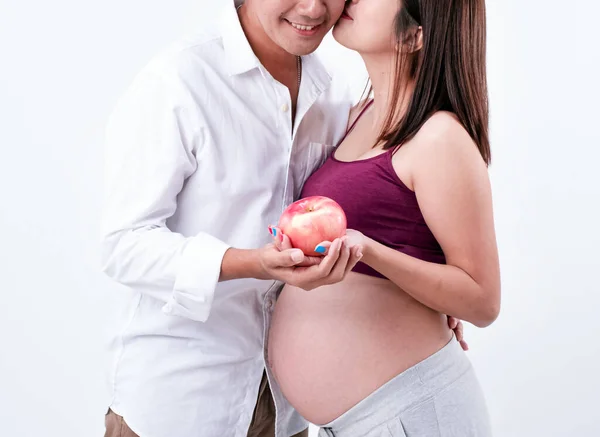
<point x="357" y="239"/>
<point x="354" y="239"/>
<point x="457" y="326"/>
<point x="309" y="272"/>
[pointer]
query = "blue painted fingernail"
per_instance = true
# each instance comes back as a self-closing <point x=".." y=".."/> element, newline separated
<point x="320" y="249"/>
<point x="274" y="232"/>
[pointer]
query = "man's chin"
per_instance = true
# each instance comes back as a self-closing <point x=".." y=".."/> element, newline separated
<point x="304" y="49"/>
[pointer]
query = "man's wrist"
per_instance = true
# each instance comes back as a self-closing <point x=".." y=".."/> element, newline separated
<point x="240" y="264"/>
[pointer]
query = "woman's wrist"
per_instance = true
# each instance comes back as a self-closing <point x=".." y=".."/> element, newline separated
<point x="368" y="249"/>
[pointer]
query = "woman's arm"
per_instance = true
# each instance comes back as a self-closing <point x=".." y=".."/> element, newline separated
<point x="453" y="191"/>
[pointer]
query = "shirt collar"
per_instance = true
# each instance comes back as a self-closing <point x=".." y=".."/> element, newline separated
<point x="314" y="70"/>
<point x="240" y="57"/>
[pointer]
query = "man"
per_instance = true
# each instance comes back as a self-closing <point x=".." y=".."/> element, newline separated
<point x="207" y="147"/>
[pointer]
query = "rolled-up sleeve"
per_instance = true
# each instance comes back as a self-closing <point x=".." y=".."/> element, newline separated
<point x="152" y="140"/>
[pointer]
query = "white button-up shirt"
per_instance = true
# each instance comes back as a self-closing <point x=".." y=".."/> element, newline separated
<point x="201" y="156"/>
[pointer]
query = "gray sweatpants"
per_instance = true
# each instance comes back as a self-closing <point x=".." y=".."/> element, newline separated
<point x="439" y="397"/>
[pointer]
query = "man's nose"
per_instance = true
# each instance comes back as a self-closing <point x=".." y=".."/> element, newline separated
<point x="313" y="9"/>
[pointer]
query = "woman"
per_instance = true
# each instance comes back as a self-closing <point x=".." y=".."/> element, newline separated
<point x="372" y="355"/>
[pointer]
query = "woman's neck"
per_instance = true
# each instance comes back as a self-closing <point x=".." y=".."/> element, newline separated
<point x="382" y="71"/>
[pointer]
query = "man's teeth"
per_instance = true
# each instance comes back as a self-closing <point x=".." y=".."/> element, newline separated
<point x="300" y="27"/>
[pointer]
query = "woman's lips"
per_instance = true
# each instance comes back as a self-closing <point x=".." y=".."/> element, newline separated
<point x="346" y="15"/>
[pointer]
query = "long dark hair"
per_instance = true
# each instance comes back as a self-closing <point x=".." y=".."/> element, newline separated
<point x="449" y="71"/>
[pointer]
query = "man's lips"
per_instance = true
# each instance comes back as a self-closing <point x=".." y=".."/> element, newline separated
<point x="304" y="27"/>
<point x="346" y="15"/>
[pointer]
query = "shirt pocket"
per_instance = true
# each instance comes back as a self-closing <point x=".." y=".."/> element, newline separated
<point x="317" y="155"/>
<point x="310" y="160"/>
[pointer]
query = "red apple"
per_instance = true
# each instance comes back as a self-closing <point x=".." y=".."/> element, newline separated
<point x="311" y="221"/>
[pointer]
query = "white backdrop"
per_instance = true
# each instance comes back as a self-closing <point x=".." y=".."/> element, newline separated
<point x="63" y="63"/>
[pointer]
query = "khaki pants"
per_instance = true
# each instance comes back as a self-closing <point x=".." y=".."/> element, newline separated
<point x="262" y="425"/>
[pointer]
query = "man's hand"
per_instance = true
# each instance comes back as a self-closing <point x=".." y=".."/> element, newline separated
<point x="280" y="261"/>
<point x="457" y="326"/>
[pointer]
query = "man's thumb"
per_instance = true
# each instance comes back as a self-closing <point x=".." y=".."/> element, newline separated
<point x="296" y="256"/>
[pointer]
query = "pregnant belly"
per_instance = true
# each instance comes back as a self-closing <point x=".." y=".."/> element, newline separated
<point x="331" y="347"/>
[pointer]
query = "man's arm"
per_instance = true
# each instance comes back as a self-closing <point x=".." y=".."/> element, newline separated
<point x="151" y="143"/>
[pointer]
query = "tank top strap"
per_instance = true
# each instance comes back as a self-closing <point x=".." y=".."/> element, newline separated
<point x="394" y="149"/>
<point x="353" y="125"/>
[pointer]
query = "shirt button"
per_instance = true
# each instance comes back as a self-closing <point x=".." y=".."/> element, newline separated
<point x="270" y="304"/>
<point x="285" y="107"/>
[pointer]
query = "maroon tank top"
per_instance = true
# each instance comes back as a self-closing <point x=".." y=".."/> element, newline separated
<point x="377" y="203"/>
